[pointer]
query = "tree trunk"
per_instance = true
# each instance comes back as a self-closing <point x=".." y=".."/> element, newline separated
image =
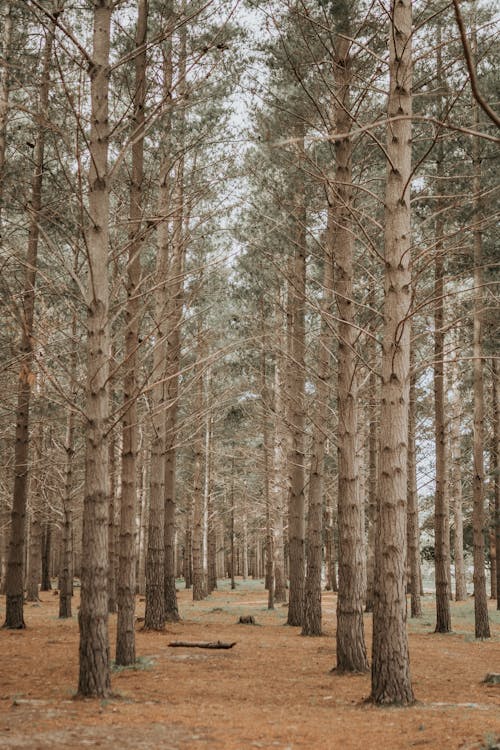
<point x="496" y="466"/>
<point x="112" y="524"/>
<point x="125" y="633"/>
<point x="351" y="648"/>
<point x="413" y="531"/>
<point x="372" y="468"/>
<point x="46" y="584"/>
<point x="482" y="625"/>
<point x="7" y="20"/>
<point x="311" y="624"/>
<point x="174" y="318"/>
<point x="493" y="467"/>
<point x="199" y="592"/>
<point x="280" y="484"/>
<point x="296" y="394"/>
<point x="14" y="583"/>
<point x="94" y="676"/>
<point x="391" y="683"/>
<point x="456" y="485"/>
<point x="441" y="512"/>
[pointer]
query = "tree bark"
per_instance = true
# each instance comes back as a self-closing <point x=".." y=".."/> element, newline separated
<point x="296" y="395"/>
<point x="94" y="675"/>
<point x="351" y="647"/>
<point x="14" y="584"/>
<point x="311" y="624"/>
<point x="496" y="466"/>
<point x="199" y="592"/>
<point x="482" y="625"/>
<point x="441" y="512"/>
<point x="391" y="683"/>
<point x="413" y="531"/>
<point x="456" y="485"/>
<point x="125" y="633"/>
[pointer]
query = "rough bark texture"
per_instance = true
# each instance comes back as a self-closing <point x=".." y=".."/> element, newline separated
<point x="351" y="648"/>
<point x="66" y="567"/>
<point x="413" y="532"/>
<point x="495" y="374"/>
<point x="15" y="561"/>
<point x="391" y="683"/>
<point x="172" y="362"/>
<point x="279" y="485"/>
<point x="125" y="634"/>
<point x="372" y="463"/>
<point x="482" y="625"/>
<point x="296" y="385"/>
<point x="94" y="675"/>
<point x="441" y="510"/>
<point x="198" y="577"/>
<point x="311" y="624"/>
<point x="111" y="523"/>
<point x="7" y="23"/>
<point x="456" y="483"/>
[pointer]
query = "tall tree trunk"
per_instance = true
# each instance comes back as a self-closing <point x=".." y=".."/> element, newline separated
<point x="211" y="517"/>
<point x="7" y="22"/>
<point x="391" y="683"/>
<point x="264" y="399"/>
<point x="482" y="625"/>
<point x="280" y="483"/>
<point x="155" y="614"/>
<point x="66" y="573"/>
<point x="94" y="675"/>
<point x="15" y="560"/>
<point x="199" y="592"/>
<point x="495" y="372"/>
<point x="311" y="624"/>
<point x="441" y="511"/>
<point x="413" y="531"/>
<point x="173" y="354"/>
<point x="456" y="485"/>
<point x="351" y="647"/>
<point x="372" y="468"/>
<point x="125" y="633"/>
<point x="46" y="584"/>
<point x="296" y="394"/>
<point x="112" y="523"/>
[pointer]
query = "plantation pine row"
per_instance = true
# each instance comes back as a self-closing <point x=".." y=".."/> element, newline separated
<point x="249" y="312"/>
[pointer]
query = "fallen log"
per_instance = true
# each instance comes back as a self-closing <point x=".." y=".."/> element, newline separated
<point x="202" y="644"/>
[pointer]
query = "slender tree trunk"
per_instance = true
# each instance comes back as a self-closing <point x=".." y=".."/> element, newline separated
<point x="441" y="512"/>
<point x="496" y="466"/>
<point x="15" y="560"/>
<point x="391" y="683"/>
<point x="94" y="675"/>
<point x="413" y="532"/>
<point x="112" y="524"/>
<point x="46" y="584"/>
<point x="493" y="468"/>
<point x="372" y="469"/>
<point x="351" y="647"/>
<point x="264" y="395"/>
<point x="174" y="319"/>
<point x="456" y="485"/>
<point x="211" y="517"/>
<point x="280" y="483"/>
<point x="296" y="414"/>
<point x="7" y="22"/>
<point x="199" y="592"/>
<point x="311" y="624"/>
<point x="125" y="633"/>
<point x="66" y="574"/>
<point x="482" y="625"/>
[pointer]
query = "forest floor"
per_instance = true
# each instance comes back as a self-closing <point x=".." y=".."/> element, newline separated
<point x="274" y="689"/>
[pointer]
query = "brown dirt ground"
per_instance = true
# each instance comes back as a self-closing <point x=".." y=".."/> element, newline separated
<point x="274" y="689"/>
